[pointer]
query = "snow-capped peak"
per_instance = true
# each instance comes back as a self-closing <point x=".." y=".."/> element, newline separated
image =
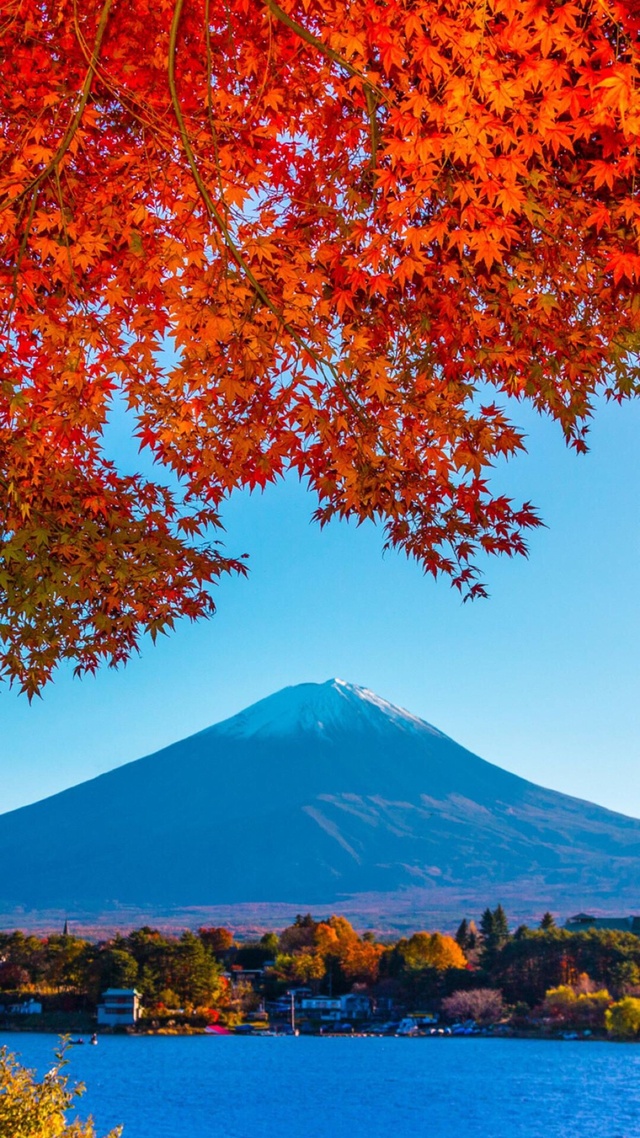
<point x="320" y="709"/>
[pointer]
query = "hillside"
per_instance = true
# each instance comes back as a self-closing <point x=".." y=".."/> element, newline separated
<point x="319" y="794"/>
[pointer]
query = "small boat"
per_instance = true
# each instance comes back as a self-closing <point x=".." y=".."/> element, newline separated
<point x="76" y="1042"/>
<point x="94" y="1039"/>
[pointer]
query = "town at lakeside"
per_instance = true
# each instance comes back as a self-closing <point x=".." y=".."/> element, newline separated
<point x="321" y="976"/>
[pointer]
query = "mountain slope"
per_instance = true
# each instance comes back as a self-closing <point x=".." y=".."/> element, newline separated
<point x="319" y="792"/>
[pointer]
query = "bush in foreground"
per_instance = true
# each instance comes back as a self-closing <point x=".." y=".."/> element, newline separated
<point x="32" y="1109"/>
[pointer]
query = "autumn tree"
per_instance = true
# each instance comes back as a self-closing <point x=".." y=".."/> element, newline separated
<point x="329" y="951"/>
<point x="300" y="935"/>
<point x="484" y="1005"/>
<point x="25" y="953"/>
<point x="574" y="1008"/>
<point x="360" y="960"/>
<point x="298" y="967"/>
<point x="218" y="939"/>
<point x="623" y="1018"/>
<point x="431" y="950"/>
<point x="12" y="976"/>
<point x="323" y="237"/>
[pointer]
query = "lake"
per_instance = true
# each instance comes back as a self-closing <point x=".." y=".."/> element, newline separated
<point x="227" y="1087"/>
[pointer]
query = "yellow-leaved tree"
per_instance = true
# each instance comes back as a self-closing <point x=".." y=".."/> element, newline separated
<point x="623" y="1018"/>
<point x="32" y="1109"/>
<point x="432" y="950"/>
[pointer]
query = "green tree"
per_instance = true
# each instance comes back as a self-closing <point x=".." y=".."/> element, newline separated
<point x="253" y="954"/>
<point x="32" y="1109"/>
<point x="472" y="936"/>
<point x="500" y="925"/>
<point x="528" y="964"/>
<point x="196" y="973"/>
<point x="67" y="961"/>
<point x="626" y="977"/>
<point x="547" y="922"/>
<point x="494" y="928"/>
<point x="467" y="935"/>
<point x="154" y="955"/>
<point x="118" y="969"/>
<point x="270" y="942"/>
<point x="462" y="935"/>
<point x="623" y="1018"/>
<point x="486" y="925"/>
<point x="26" y="952"/>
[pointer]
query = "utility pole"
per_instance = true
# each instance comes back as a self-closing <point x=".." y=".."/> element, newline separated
<point x="293" y="1012"/>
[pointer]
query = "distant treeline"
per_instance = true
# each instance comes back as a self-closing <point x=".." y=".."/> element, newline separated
<point x="544" y="973"/>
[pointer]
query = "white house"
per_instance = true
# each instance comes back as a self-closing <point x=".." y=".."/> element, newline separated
<point x="355" y="1005"/>
<point x="322" y="1007"/>
<point x="27" y="1008"/>
<point x="336" y="1008"/>
<point x="119" y="1007"/>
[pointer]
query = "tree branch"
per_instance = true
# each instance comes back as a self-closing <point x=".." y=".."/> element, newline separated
<point x="220" y="221"/>
<point x="373" y="93"/>
<point x="314" y="41"/>
<point x="77" y="118"/>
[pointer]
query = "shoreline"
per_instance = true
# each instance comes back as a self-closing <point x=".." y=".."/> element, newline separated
<point x="561" y="1037"/>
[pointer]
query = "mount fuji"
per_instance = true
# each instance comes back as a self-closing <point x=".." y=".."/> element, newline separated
<point x="325" y="795"/>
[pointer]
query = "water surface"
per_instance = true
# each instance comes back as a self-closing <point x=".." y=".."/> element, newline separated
<point x="206" y="1086"/>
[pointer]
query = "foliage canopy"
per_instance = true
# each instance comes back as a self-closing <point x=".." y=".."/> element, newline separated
<point x="623" y="1018"/>
<point x="357" y="224"/>
<point x="32" y="1109"/>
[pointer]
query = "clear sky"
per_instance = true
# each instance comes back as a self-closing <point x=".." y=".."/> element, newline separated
<point x="541" y="679"/>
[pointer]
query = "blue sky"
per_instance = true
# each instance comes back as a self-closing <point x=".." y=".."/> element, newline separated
<point x="541" y="679"/>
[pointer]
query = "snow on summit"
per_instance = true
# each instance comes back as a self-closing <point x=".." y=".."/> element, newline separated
<point x="320" y="709"/>
<point x="318" y="795"/>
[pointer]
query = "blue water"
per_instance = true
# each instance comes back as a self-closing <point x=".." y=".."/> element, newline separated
<point x="225" y="1087"/>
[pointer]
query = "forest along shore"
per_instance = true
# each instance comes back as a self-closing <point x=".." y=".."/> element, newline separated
<point x="320" y="976"/>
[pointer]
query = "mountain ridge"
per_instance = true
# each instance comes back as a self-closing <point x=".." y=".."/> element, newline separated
<point x="316" y="794"/>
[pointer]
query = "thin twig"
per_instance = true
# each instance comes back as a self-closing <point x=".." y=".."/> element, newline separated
<point x="314" y="41"/>
<point x="373" y="93"/>
<point x="219" y="220"/>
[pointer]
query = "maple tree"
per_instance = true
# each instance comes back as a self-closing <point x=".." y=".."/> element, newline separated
<point x="322" y="236"/>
